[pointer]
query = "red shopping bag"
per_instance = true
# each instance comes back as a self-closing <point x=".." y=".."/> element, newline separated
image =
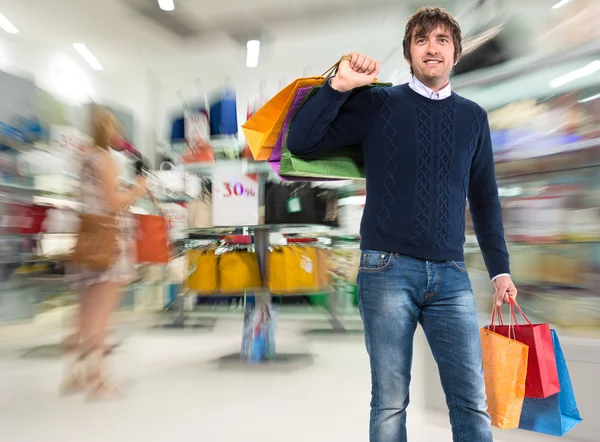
<point x="153" y="236"/>
<point x="542" y="375"/>
<point x="152" y="239"/>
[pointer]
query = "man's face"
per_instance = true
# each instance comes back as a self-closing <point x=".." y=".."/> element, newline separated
<point x="432" y="56"/>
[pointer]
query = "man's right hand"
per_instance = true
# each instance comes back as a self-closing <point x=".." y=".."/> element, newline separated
<point x="358" y="72"/>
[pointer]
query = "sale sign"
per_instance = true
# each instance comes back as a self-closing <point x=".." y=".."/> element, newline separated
<point x="235" y="196"/>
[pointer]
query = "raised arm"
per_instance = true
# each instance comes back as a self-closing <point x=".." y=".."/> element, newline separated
<point x="108" y="178"/>
<point x="339" y="114"/>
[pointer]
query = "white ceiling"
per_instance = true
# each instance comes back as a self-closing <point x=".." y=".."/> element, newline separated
<point x="123" y="32"/>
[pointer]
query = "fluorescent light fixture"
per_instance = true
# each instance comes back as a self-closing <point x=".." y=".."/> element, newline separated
<point x="593" y="97"/>
<point x="560" y="4"/>
<point x="88" y="56"/>
<point x="252" y="51"/>
<point x="585" y="71"/>
<point x="166" y="5"/>
<point x="7" y="25"/>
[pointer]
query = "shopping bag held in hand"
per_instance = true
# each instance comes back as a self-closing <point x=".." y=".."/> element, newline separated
<point x="542" y="376"/>
<point x="557" y="414"/>
<point x="262" y="129"/>
<point x="152" y="241"/>
<point x="505" y="370"/>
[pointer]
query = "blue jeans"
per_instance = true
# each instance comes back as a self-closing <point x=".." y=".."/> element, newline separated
<point x="395" y="293"/>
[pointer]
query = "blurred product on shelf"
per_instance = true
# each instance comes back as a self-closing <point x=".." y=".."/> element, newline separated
<point x="301" y="203"/>
<point x="223" y="112"/>
<point x="258" y="336"/>
<point x="238" y="272"/>
<point x="351" y="212"/>
<point x="297" y="269"/>
<point x="200" y="208"/>
<point x="171" y="182"/>
<point x="203" y="271"/>
<point x="536" y="128"/>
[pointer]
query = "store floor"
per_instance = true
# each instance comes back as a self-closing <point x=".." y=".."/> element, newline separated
<point x="179" y="394"/>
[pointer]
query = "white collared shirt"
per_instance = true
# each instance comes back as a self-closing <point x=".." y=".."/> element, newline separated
<point x="417" y="86"/>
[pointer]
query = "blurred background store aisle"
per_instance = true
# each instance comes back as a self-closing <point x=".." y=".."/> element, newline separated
<point x="194" y="74"/>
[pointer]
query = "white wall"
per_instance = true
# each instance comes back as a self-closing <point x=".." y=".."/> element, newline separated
<point x="56" y="72"/>
<point x="72" y="82"/>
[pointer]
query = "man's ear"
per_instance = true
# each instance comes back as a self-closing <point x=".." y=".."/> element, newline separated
<point x="457" y="60"/>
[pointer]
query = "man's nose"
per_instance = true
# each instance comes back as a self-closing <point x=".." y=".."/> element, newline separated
<point x="433" y="49"/>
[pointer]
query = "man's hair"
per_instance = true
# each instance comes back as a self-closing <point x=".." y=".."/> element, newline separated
<point x="426" y="20"/>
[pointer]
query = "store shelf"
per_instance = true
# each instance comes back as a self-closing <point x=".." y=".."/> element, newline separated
<point x="290" y="229"/>
<point x="16" y="186"/>
<point x="523" y="65"/>
<point x="582" y="155"/>
<point x="15" y="144"/>
<point x="244" y="165"/>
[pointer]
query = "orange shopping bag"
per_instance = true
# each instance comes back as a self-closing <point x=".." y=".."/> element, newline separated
<point x="505" y="371"/>
<point x="262" y="129"/>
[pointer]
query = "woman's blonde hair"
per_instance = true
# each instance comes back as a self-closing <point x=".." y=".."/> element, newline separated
<point x="102" y="120"/>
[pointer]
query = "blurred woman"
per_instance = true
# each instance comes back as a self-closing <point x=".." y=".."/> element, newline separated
<point x="100" y="291"/>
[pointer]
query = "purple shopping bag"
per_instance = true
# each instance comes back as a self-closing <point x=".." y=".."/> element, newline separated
<point x="275" y="158"/>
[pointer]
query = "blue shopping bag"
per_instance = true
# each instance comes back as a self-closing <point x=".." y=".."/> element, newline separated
<point x="555" y="415"/>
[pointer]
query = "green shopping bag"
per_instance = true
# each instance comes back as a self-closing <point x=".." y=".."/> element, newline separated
<point x="344" y="163"/>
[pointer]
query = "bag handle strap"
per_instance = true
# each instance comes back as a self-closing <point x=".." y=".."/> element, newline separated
<point x="514" y="305"/>
<point x="333" y="69"/>
<point x="511" y="327"/>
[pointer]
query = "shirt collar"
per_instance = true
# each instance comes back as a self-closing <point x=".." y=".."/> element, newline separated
<point x="417" y="86"/>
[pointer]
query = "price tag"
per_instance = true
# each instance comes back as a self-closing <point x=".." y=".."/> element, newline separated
<point x="235" y="197"/>
<point x="294" y="205"/>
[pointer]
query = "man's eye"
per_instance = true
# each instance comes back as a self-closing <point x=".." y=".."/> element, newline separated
<point x="444" y="40"/>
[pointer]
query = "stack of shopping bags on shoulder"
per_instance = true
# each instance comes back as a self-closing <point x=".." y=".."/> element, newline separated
<point x="267" y="129"/>
<point x="526" y="377"/>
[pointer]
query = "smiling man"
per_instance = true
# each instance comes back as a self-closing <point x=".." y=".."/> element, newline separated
<point x="427" y="151"/>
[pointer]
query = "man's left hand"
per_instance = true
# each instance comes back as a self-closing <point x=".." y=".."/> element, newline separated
<point x="505" y="289"/>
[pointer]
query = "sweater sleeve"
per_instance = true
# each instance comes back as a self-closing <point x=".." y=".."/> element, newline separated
<point x="331" y="120"/>
<point x="484" y="204"/>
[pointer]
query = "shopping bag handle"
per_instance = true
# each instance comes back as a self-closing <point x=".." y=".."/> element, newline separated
<point x="333" y="69"/>
<point x="515" y="305"/>
<point x="511" y="327"/>
<point x="512" y="314"/>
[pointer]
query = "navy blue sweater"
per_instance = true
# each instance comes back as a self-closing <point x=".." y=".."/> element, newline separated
<point x="423" y="159"/>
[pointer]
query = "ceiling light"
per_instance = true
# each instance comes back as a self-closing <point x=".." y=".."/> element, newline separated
<point x="593" y="97"/>
<point x="560" y="4"/>
<point x="252" y="52"/>
<point x="585" y="71"/>
<point x="166" y="5"/>
<point x="7" y="25"/>
<point x="88" y="56"/>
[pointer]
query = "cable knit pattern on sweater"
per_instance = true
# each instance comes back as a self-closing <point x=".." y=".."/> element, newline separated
<point x="391" y="168"/>
<point x="445" y="142"/>
<point x="423" y="183"/>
